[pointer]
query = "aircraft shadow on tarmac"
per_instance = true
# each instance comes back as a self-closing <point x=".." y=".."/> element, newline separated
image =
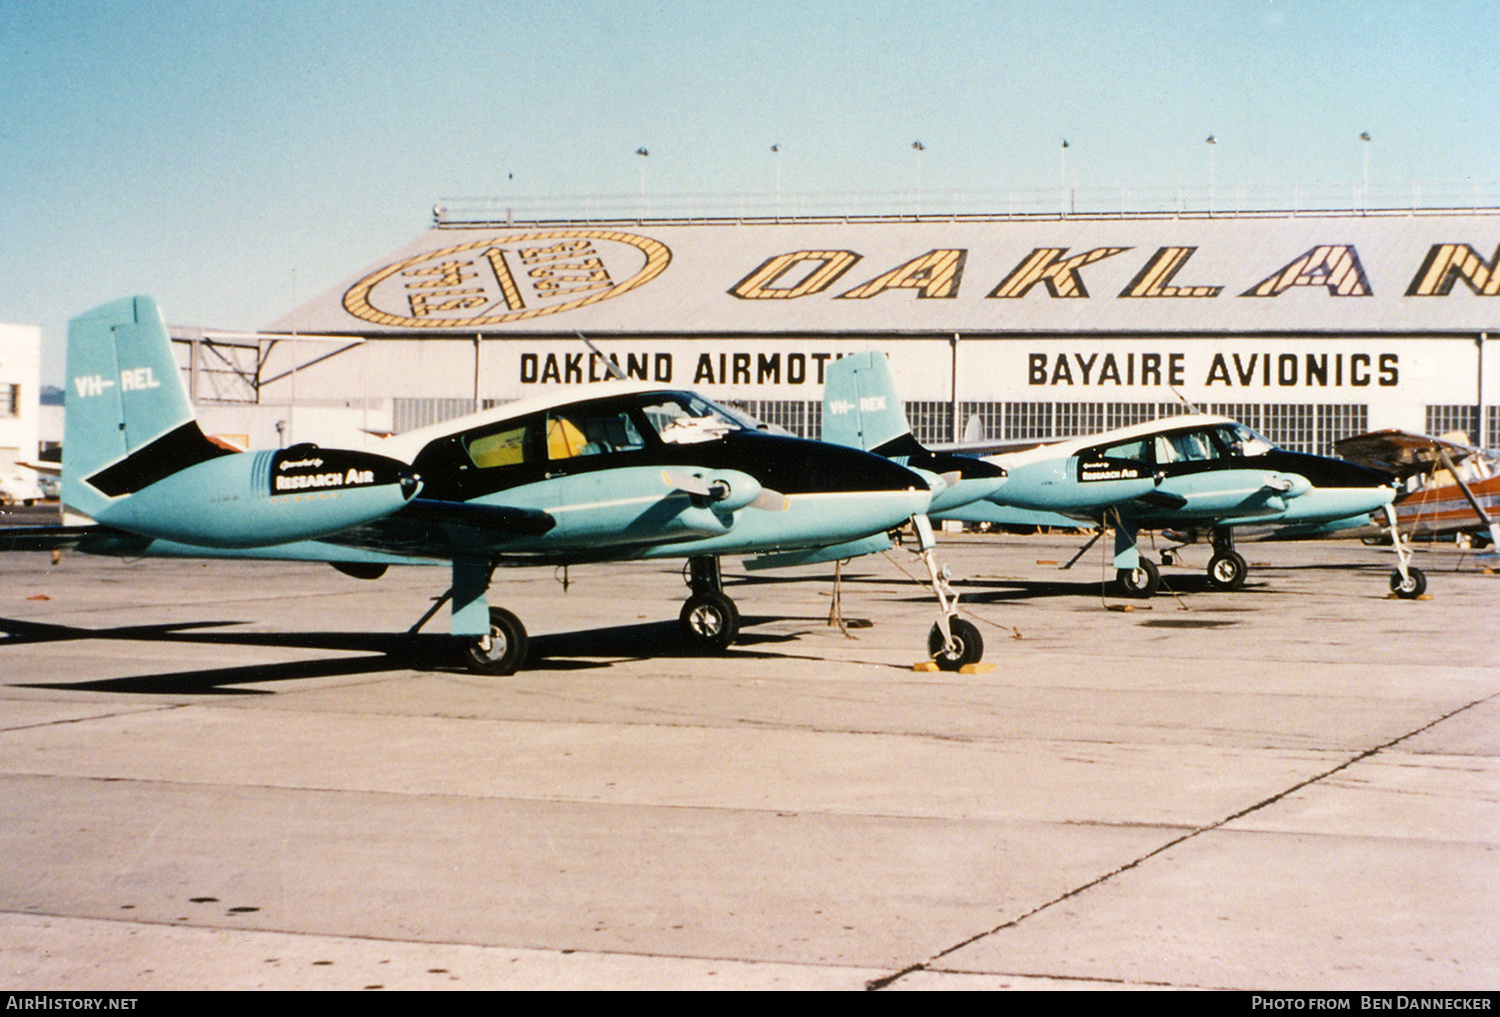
<point x="378" y="652"/>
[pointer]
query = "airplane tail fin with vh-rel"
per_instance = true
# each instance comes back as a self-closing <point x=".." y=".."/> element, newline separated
<point x="127" y="420"/>
<point x="134" y="457"/>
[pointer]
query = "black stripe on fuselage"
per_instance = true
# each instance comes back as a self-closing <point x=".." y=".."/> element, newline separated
<point x="176" y="450"/>
<point x="785" y="464"/>
<point x="1320" y="471"/>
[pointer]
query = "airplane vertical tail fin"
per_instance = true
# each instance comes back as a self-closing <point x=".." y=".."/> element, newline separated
<point x="860" y="406"/>
<point x="127" y="421"/>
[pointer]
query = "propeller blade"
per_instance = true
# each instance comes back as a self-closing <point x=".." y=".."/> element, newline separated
<point x="687" y="483"/>
<point x="771" y="501"/>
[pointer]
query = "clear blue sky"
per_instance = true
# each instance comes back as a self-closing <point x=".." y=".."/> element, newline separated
<point x="236" y="156"/>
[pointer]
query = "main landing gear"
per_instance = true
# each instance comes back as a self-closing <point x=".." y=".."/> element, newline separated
<point x="488" y="640"/>
<point x="501" y="652"/>
<point x="709" y="620"/>
<point x="1227" y="569"/>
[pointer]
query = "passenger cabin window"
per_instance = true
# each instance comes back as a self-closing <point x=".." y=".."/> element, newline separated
<point x="591" y="433"/>
<point x="503" y="448"/>
<point x="1132" y="451"/>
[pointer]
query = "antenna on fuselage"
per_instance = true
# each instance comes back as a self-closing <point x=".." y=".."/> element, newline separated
<point x="614" y="368"/>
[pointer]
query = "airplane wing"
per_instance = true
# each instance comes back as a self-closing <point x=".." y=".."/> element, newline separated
<point x="52" y="538"/>
<point x="505" y="518"/>
<point x="995" y="447"/>
<point x="1400" y="453"/>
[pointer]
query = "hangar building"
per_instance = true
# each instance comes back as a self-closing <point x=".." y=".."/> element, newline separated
<point x="1309" y="327"/>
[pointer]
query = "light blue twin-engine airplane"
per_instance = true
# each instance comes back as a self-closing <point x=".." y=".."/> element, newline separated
<point x="1187" y="472"/>
<point x="621" y="472"/>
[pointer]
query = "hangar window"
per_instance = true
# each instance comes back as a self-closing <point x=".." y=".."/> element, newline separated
<point x="10" y="400"/>
<point x="408" y="414"/>
<point x="1336" y="422"/>
<point x="1072" y="419"/>
<point x="796" y="417"/>
<point x="930" y="421"/>
<point x="1443" y="420"/>
<point x="1028" y="420"/>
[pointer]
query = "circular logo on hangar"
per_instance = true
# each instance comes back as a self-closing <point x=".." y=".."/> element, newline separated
<point x="506" y="277"/>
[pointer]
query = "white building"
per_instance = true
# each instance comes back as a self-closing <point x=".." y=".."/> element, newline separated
<point x="20" y="409"/>
<point x="1309" y="327"/>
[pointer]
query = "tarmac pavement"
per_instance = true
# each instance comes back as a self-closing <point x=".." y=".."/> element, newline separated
<point x="224" y="775"/>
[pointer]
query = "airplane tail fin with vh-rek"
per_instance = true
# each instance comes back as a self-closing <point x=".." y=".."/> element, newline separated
<point x="135" y="458"/>
<point x="861" y="409"/>
<point x="860" y="406"/>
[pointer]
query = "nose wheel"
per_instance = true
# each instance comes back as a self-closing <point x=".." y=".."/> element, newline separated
<point x="965" y="646"/>
<point x="1410" y="586"/>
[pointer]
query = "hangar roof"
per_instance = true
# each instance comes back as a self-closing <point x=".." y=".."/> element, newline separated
<point x="1382" y="272"/>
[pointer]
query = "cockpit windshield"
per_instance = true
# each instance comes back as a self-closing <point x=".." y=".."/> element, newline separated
<point x="685" y="419"/>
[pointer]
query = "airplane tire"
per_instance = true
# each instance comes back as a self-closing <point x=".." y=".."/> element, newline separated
<point x="503" y="651"/>
<point x="709" y="621"/>
<point x="1140" y="582"/>
<point x="968" y="645"/>
<point x="1410" y="588"/>
<point x="1226" y="571"/>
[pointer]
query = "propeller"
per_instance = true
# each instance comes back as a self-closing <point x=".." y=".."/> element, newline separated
<point x="722" y="491"/>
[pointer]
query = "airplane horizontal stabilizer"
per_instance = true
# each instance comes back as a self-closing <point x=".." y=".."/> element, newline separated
<point x="46" y="538"/>
<point x="813" y="556"/>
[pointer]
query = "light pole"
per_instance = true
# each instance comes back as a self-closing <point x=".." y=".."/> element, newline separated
<point x="641" y="211"/>
<point x="1062" y="179"/>
<point x="776" y="150"/>
<point x="919" y="148"/>
<point x="1213" y="143"/>
<point x="1364" y="196"/>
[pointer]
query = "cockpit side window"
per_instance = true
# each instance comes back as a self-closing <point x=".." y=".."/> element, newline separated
<point x="688" y="421"/>
<point x="580" y="431"/>
<point x="1239" y="440"/>
<point x="1191" y="446"/>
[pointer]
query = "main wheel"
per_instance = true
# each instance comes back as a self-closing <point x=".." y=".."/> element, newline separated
<point x="1140" y="582"/>
<point x="968" y="645"/>
<point x="502" y="651"/>
<point x="1226" y="571"/>
<point x="1411" y="586"/>
<point x="709" y="621"/>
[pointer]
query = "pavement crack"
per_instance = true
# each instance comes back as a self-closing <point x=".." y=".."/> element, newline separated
<point x="888" y="980"/>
